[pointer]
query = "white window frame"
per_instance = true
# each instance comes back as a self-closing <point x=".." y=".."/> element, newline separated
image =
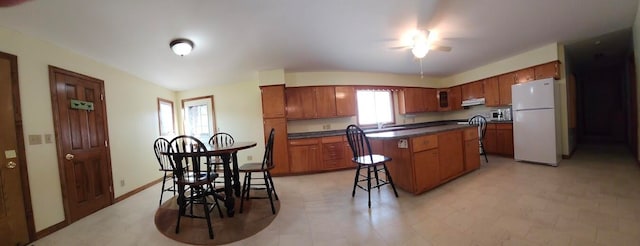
<point x="166" y="123"/>
<point x="389" y="119"/>
<point x="207" y="102"/>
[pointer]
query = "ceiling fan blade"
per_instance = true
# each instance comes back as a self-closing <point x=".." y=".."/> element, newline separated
<point x="440" y="48"/>
<point x="400" y="48"/>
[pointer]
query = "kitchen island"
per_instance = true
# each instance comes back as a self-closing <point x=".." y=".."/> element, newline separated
<point x="424" y="158"/>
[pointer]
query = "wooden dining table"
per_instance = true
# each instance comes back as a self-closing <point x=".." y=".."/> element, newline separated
<point x="228" y="154"/>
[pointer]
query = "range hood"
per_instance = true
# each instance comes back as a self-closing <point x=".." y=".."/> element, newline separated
<point x="471" y="102"/>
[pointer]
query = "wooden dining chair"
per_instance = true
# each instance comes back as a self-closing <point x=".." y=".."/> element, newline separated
<point x="193" y="172"/>
<point x="364" y="159"/>
<point x="221" y="138"/>
<point x="161" y="145"/>
<point x="263" y="167"/>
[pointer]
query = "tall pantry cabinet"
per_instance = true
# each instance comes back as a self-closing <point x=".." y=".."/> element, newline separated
<point x="274" y="116"/>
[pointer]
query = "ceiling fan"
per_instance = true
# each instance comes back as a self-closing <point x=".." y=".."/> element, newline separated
<point x="420" y="42"/>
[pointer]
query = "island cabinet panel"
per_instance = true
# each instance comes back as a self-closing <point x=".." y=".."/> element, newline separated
<point x="400" y="167"/>
<point x="451" y="154"/>
<point x="471" y="149"/>
<point x="345" y="101"/>
<point x="305" y="155"/>
<point x="273" y="105"/>
<point x="422" y="162"/>
<point x="325" y="101"/>
<point x="427" y="166"/>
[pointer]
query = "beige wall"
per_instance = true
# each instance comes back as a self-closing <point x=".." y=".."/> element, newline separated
<point x="131" y="111"/>
<point x="636" y="54"/>
<point x="238" y="108"/>
<point x="294" y="79"/>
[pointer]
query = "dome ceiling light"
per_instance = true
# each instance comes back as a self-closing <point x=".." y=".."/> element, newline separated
<point x="181" y="46"/>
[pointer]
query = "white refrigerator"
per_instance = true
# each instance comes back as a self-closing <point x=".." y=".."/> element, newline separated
<point x="536" y="125"/>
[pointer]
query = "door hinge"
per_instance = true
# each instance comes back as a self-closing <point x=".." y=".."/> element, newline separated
<point x="101" y="97"/>
<point x="111" y="189"/>
<point x="106" y="144"/>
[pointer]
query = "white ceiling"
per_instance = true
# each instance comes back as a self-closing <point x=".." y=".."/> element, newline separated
<point x="235" y="39"/>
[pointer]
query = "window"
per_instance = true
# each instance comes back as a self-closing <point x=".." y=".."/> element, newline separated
<point x="374" y="107"/>
<point x="165" y="117"/>
<point x="199" y="117"/>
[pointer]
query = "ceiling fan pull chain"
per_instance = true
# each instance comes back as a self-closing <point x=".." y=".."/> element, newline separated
<point x="421" y="76"/>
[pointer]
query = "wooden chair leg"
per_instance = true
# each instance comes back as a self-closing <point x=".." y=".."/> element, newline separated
<point x="375" y="172"/>
<point x="207" y="215"/>
<point x="386" y="172"/>
<point x="369" y="184"/>
<point x="273" y="186"/>
<point x="245" y="190"/>
<point x="164" y="180"/>
<point x="268" y="187"/>
<point x="355" y="182"/>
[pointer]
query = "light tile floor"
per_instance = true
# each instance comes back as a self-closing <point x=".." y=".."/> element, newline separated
<point x="591" y="199"/>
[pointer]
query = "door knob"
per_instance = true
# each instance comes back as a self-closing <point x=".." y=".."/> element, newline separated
<point x="11" y="165"/>
<point x="69" y="157"/>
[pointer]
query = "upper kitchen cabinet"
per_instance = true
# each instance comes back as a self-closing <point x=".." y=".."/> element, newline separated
<point x="345" y="101"/>
<point x="505" y="82"/>
<point x="524" y="75"/>
<point x="301" y="103"/>
<point x="491" y="92"/>
<point x="325" y="101"/>
<point x="273" y="101"/>
<point x="444" y="103"/>
<point x="473" y="90"/>
<point x="455" y="97"/>
<point x="547" y="70"/>
<point x="417" y="100"/>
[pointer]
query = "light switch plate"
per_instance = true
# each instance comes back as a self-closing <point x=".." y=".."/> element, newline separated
<point x="8" y="154"/>
<point x="35" y="139"/>
<point x="48" y="138"/>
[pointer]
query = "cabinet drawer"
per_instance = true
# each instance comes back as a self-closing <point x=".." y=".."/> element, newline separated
<point x="504" y="126"/>
<point x="333" y="151"/>
<point x="334" y="139"/>
<point x="470" y="133"/>
<point x="304" y="141"/>
<point x="424" y="142"/>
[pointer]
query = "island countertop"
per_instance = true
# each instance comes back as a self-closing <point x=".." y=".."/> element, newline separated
<point x="416" y="131"/>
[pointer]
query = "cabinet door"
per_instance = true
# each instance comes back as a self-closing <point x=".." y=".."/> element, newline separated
<point x="451" y="159"/>
<point x="304" y="158"/>
<point x="505" y="82"/>
<point x="505" y="139"/>
<point x="301" y="103"/>
<point x="490" y="143"/>
<point x="455" y="97"/>
<point x="426" y="167"/>
<point x="471" y="155"/>
<point x="524" y="75"/>
<point x="273" y="101"/>
<point x="491" y="92"/>
<point x="325" y="101"/>
<point x="443" y="100"/>
<point x="548" y="70"/>
<point x="333" y="155"/>
<point x="473" y="90"/>
<point x="348" y="155"/>
<point x="411" y="100"/>
<point x="280" y="144"/>
<point x="345" y="101"/>
<point x="430" y="99"/>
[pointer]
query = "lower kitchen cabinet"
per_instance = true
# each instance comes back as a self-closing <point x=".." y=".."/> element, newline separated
<point x="451" y="154"/>
<point x="333" y="153"/>
<point x="305" y="155"/>
<point x="499" y="139"/>
<point x="471" y="149"/>
<point x="426" y="167"/>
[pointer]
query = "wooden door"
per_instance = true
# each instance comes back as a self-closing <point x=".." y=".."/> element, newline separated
<point x="505" y="82"/>
<point x="82" y="142"/>
<point x="16" y="220"/>
<point x="455" y="97"/>
<point x="426" y="165"/>
<point x="280" y="156"/>
<point x="273" y="101"/>
<point x="325" y="101"/>
<point x="300" y="102"/>
<point x="345" y="101"/>
<point x="491" y="92"/>
<point x="451" y="159"/>
<point x="524" y="75"/>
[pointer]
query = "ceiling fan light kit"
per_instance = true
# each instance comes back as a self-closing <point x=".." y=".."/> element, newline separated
<point x="181" y="46"/>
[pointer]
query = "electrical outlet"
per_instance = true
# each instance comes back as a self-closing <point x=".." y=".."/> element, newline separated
<point x="48" y="138"/>
<point x="249" y="158"/>
<point x="122" y="183"/>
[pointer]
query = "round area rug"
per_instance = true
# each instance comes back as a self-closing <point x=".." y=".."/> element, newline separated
<point x="255" y="217"/>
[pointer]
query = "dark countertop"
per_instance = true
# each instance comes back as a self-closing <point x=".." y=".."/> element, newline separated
<point x="501" y="122"/>
<point x="417" y="131"/>
<point x="375" y="130"/>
